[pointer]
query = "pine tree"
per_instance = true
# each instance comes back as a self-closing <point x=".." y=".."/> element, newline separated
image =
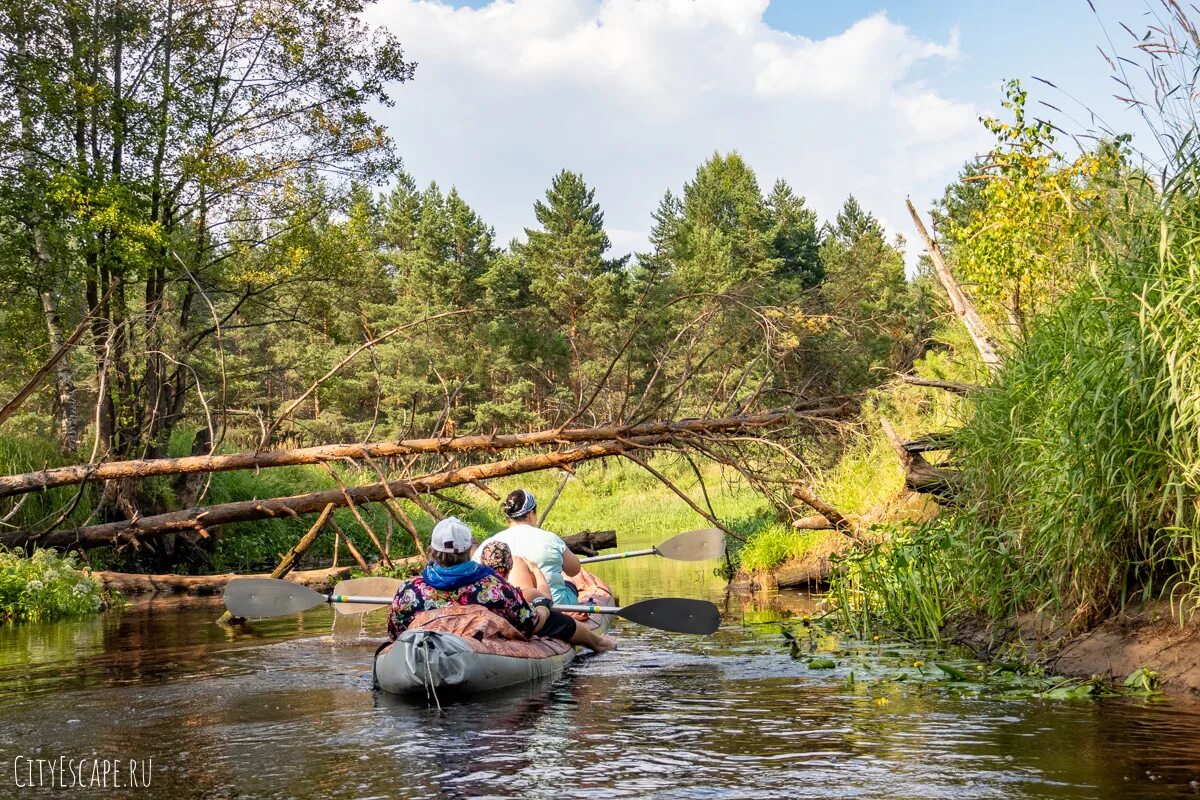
<point x="793" y="236"/>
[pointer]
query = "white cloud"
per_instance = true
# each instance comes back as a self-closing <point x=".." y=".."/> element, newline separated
<point x="636" y="93"/>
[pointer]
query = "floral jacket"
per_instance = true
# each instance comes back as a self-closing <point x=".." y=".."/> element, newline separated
<point x="473" y="584"/>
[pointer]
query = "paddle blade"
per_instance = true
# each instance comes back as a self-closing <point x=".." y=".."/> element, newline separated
<point x="365" y="587"/>
<point x="701" y="545"/>
<point x="675" y="614"/>
<point x="268" y="597"/>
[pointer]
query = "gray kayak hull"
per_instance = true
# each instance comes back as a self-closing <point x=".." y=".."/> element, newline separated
<point x="423" y="660"/>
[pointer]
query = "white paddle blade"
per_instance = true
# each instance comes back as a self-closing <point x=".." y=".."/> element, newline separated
<point x="365" y="587"/>
<point x="702" y="545"/>
<point x="268" y="597"/>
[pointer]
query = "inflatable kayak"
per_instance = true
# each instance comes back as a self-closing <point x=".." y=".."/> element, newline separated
<point x="470" y="649"/>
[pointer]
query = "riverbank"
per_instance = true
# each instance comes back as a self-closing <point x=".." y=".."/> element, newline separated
<point x="813" y="566"/>
<point x="1143" y="636"/>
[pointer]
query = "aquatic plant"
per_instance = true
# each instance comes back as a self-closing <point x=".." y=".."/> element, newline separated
<point x="904" y="582"/>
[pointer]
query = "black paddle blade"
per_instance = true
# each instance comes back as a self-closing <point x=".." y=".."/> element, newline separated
<point x="675" y="614"/>
<point x="268" y="597"/>
<point x="702" y="545"/>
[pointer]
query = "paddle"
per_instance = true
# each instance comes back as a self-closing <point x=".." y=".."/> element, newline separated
<point x="701" y="545"/>
<point x="268" y="597"/>
<point x="365" y="587"/>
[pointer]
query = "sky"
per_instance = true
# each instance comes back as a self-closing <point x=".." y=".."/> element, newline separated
<point x="876" y="99"/>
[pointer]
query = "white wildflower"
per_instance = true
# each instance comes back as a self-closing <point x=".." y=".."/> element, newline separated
<point x="80" y="589"/>
<point x="35" y="585"/>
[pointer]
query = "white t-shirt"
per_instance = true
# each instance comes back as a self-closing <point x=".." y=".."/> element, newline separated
<point x="544" y="549"/>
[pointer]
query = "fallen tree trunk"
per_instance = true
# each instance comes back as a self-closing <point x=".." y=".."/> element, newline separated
<point x="590" y="543"/>
<point x="837" y="521"/>
<point x="128" y="583"/>
<point x="128" y="532"/>
<point x="132" y="584"/>
<point x="962" y="305"/>
<point x="816" y="522"/>
<point x="67" y="476"/>
<point x="919" y="474"/>
<point x="292" y="557"/>
<point x="929" y="443"/>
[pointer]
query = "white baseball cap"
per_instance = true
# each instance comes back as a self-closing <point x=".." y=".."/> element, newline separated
<point x="451" y="535"/>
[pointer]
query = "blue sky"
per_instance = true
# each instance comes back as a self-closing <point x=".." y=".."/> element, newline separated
<point x="876" y="99"/>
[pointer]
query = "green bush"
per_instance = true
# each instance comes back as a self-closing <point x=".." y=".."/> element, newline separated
<point x="45" y="586"/>
<point x="774" y="544"/>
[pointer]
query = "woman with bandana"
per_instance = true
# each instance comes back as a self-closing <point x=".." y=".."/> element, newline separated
<point x="543" y="549"/>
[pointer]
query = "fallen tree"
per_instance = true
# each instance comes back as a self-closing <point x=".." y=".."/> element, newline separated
<point x="129" y="532"/>
<point x="11" y="485"/>
<point x="131" y="583"/>
<point x="919" y="474"/>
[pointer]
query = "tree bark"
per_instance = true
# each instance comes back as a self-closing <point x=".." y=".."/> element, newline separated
<point x="962" y="305"/>
<point x="590" y="543"/>
<point x="129" y="532"/>
<point x="33" y="383"/>
<point x="919" y="474"/>
<point x="68" y="424"/>
<point x="68" y="476"/>
<point x="134" y="584"/>
<point x="293" y="556"/>
<point x="837" y="520"/>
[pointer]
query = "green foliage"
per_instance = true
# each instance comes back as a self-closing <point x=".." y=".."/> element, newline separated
<point x="1079" y="467"/>
<point x="774" y="544"/>
<point x="1020" y="223"/>
<point x="905" y="582"/>
<point x="1082" y="463"/>
<point x="45" y="586"/>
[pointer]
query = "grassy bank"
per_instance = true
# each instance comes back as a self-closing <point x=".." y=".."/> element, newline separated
<point x="1080" y="462"/>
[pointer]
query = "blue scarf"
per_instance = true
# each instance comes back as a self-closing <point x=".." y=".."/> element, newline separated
<point x="448" y="578"/>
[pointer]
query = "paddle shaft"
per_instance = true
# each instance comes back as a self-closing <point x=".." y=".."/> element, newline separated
<point x="589" y="609"/>
<point x="268" y="597"/>
<point x="383" y="601"/>
<point x="652" y="551"/>
<point x="354" y="598"/>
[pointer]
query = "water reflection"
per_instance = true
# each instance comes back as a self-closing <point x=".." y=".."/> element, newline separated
<point x="279" y="709"/>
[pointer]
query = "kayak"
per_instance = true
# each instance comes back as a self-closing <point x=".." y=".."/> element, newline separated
<point x="470" y="649"/>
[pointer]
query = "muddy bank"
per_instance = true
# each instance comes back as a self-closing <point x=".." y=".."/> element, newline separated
<point x="1147" y="635"/>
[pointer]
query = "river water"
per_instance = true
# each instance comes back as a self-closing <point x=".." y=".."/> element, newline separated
<point x="277" y="709"/>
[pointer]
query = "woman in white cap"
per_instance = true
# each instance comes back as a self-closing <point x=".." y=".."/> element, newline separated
<point x="544" y="549"/>
<point x="452" y="578"/>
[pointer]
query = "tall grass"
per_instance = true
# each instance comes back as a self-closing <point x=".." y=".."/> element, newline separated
<point x="907" y="582"/>
<point x="1081" y="462"/>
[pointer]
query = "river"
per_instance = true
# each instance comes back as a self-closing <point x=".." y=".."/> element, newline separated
<point x="278" y="709"/>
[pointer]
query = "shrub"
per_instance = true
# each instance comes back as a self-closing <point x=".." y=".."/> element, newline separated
<point x="45" y="586"/>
